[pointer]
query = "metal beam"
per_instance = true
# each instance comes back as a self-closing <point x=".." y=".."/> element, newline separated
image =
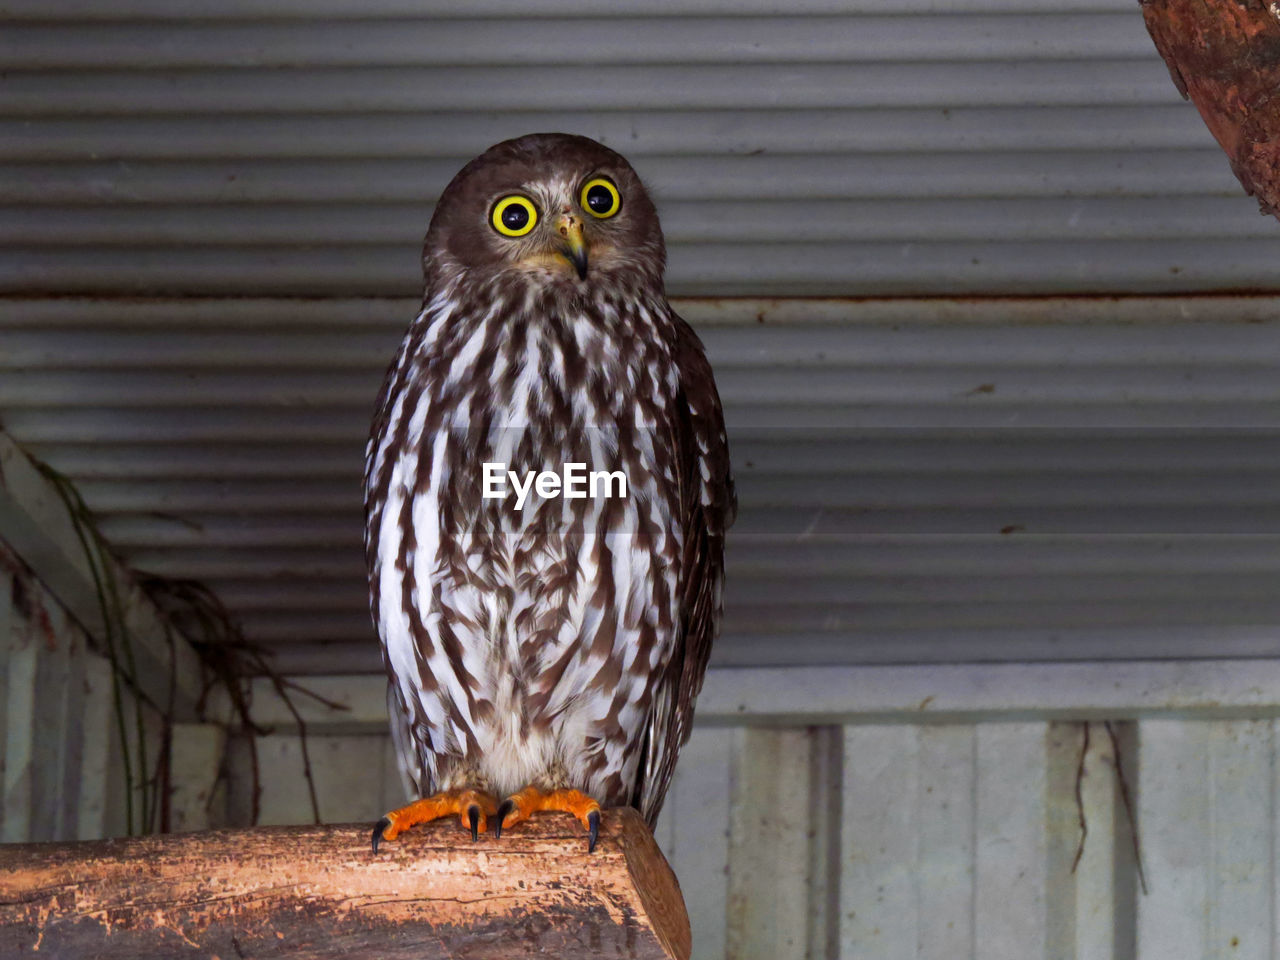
<point x="950" y="693"/>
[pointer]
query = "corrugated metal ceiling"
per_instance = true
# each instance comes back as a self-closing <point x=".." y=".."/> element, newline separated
<point x="871" y="148"/>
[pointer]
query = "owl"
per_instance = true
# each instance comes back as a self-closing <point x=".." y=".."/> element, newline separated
<point x="544" y="652"/>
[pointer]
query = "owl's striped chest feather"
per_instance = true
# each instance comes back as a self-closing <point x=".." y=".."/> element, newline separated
<point x="526" y="640"/>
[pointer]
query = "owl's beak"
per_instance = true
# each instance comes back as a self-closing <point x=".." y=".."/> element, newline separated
<point x="574" y="244"/>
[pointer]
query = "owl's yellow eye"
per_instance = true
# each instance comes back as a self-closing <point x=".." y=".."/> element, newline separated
<point x="600" y="197"/>
<point x="514" y="216"/>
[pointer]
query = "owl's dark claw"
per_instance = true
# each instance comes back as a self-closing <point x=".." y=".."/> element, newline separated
<point x="378" y="829"/>
<point x="524" y="803"/>
<point x="473" y="818"/>
<point x="507" y="806"/>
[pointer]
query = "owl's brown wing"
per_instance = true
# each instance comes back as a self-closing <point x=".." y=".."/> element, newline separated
<point x="708" y="505"/>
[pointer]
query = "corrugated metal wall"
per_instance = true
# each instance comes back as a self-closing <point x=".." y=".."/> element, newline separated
<point x="977" y="146"/>
<point x="919" y="480"/>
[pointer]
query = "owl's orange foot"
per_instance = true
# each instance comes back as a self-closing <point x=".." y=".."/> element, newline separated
<point x="522" y="805"/>
<point x="472" y="807"/>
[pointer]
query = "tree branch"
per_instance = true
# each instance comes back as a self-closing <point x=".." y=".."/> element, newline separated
<point x="320" y="892"/>
<point x="1225" y="56"/>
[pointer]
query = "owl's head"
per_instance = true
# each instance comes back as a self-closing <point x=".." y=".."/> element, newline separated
<point x="550" y="210"/>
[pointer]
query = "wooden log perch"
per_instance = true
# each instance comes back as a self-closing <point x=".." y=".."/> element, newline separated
<point x="321" y="892"/>
<point x="1225" y="56"/>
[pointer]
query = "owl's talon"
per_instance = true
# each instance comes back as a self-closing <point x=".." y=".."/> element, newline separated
<point x="471" y="806"/>
<point x="507" y="806"/>
<point x="522" y="805"/>
<point x="378" y="829"/>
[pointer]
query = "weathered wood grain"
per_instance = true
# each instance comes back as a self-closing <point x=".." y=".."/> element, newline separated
<point x="320" y="892"/>
<point x="1225" y="56"/>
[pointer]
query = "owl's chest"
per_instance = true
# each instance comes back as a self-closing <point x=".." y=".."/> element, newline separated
<point x="563" y="403"/>
<point x="571" y="436"/>
<point x="554" y="494"/>
<point x="584" y="371"/>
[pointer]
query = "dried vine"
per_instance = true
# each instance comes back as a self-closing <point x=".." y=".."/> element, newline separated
<point x="1126" y="800"/>
<point x="230" y="662"/>
<point x="1084" y="821"/>
<point x="1128" y="806"/>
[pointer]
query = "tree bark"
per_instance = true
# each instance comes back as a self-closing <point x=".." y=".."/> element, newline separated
<point x="321" y="892"/>
<point x="1225" y="56"/>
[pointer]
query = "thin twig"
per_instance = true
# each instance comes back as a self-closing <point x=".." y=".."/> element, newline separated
<point x="1084" y="823"/>
<point x="302" y="743"/>
<point x="325" y="701"/>
<point x="163" y="779"/>
<point x="1128" y="807"/>
<point x="139" y="720"/>
<point x="231" y="660"/>
<point x="234" y="660"/>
